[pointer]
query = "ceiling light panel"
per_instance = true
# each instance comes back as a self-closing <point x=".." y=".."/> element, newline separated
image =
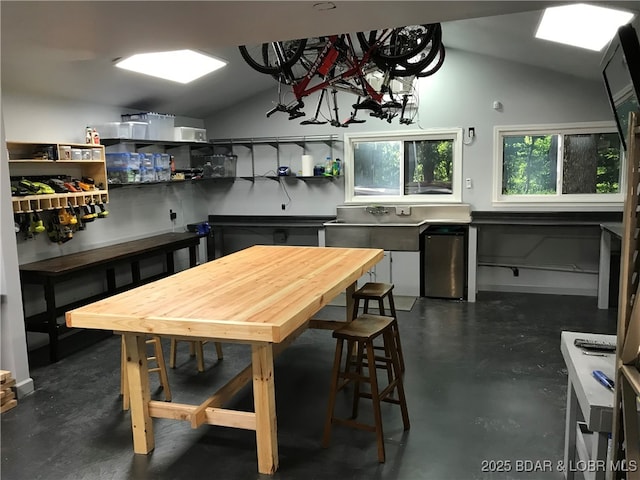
<point x="581" y="25"/>
<point x="182" y="66"/>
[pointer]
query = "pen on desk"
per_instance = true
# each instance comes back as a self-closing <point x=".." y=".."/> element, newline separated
<point x="594" y="354"/>
<point x="603" y="379"/>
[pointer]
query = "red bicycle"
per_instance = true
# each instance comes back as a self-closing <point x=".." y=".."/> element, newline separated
<point x="335" y="63"/>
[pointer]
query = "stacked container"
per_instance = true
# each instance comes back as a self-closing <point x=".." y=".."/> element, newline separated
<point x="159" y="125"/>
<point x="147" y="167"/>
<point x="162" y="167"/>
<point x="123" y="167"/>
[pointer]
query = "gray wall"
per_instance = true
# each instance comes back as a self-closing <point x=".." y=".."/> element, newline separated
<point x="460" y="95"/>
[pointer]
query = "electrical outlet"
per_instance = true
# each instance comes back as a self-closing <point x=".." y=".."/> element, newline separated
<point x="172" y="215"/>
<point x="402" y="210"/>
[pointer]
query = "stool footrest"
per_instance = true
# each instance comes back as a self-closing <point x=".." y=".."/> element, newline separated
<point x="353" y="423"/>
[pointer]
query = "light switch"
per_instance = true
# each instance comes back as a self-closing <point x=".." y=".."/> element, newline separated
<point x="467" y="183"/>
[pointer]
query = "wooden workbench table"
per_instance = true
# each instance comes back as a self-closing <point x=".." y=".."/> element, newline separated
<point x="54" y="271"/>
<point x="263" y="296"/>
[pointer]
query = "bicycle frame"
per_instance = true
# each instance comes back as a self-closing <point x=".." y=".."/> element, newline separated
<point x="325" y="63"/>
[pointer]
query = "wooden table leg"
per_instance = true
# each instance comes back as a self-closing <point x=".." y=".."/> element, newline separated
<point x="135" y="272"/>
<point x="171" y="267"/>
<point x="193" y="258"/>
<point x="139" y="395"/>
<point x="570" y="432"/>
<point x="52" y="320"/>
<point x="264" y="400"/>
<point x="349" y="294"/>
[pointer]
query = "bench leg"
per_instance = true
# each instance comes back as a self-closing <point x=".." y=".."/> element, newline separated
<point x="264" y="400"/>
<point x="139" y="395"/>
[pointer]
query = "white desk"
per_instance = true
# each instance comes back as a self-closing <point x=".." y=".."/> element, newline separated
<point x="608" y="231"/>
<point x="587" y="400"/>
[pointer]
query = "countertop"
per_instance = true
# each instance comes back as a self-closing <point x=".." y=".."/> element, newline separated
<point x="544" y="218"/>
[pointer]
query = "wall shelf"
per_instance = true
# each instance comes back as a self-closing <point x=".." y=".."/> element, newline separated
<point x="49" y="160"/>
<point x="232" y="146"/>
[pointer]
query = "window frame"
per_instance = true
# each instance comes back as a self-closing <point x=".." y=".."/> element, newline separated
<point x="559" y="199"/>
<point x="454" y="134"/>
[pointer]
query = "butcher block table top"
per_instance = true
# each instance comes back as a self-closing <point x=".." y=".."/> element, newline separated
<point x="262" y="293"/>
<point x="263" y="296"/>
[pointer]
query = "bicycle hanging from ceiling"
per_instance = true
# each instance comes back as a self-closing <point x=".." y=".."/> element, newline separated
<point x="380" y="70"/>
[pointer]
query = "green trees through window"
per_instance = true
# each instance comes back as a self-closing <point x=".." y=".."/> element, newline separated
<point x="580" y="163"/>
<point x="427" y="167"/>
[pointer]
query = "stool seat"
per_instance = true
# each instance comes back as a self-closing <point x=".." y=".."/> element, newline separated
<point x="365" y="327"/>
<point x="361" y="333"/>
<point x="377" y="292"/>
<point x="373" y="290"/>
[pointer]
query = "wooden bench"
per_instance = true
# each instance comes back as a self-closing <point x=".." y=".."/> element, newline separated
<point x="52" y="272"/>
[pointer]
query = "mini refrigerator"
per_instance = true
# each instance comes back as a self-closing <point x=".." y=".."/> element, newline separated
<point x="444" y="267"/>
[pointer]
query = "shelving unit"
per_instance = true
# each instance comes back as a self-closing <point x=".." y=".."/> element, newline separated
<point x="239" y="147"/>
<point x="626" y="431"/>
<point x="27" y="159"/>
<point x="184" y="152"/>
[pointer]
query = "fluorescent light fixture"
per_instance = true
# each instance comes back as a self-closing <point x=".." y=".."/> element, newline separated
<point x="181" y="66"/>
<point x="581" y="25"/>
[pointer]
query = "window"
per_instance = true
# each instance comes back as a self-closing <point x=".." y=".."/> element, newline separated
<point x="558" y="163"/>
<point x="409" y="166"/>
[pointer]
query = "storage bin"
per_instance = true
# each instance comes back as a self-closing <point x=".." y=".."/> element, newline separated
<point x="86" y="154"/>
<point x="96" y="154"/>
<point x="137" y="130"/>
<point x="147" y="167"/>
<point x="162" y="167"/>
<point x="190" y="134"/>
<point x="123" y="167"/>
<point x="113" y="130"/>
<point x="65" y="152"/>
<point x="159" y="125"/>
<point x="76" y="154"/>
<point x="216" y="166"/>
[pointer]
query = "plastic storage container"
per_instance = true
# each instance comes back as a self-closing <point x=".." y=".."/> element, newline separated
<point x="123" y="167"/>
<point x="76" y="154"/>
<point x="147" y="167"/>
<point x="137" y="130"/>
<point x="162" y="167"/>
<point x="96" y="154"/>
<point x="216" y="166"/>
<point x="190" y="134"/>
<point x="159" y="125"/>
<point x="113" y="130"/>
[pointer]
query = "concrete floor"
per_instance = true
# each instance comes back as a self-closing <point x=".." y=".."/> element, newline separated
<point x="484" y="381"/>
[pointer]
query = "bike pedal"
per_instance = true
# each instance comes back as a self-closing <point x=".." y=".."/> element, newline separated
<point x="312" y="122"/>
<point x="392" y="105"/>
<point x="368" y="104"/>
<point x="295" y="114"/>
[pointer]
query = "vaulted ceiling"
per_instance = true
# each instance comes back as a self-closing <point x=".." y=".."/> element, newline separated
<point x="67" y="49"/>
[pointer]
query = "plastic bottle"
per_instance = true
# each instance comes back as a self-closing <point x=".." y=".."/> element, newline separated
<point x="328" y="166"/>
<point x="88" y="135"/>
<point x="95" y="137"/>
<point x="337" y="167"/>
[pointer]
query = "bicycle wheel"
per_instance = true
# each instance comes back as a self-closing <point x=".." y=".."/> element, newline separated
<point x="434" y="66"/>
<point x="265" y="59"/>
<point x="416" y="64"/>
<point x="398" y="44"/>
<point x="299" y="69"/>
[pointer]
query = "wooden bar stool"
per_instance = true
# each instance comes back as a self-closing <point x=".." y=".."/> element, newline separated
<point x="372" y="291"/>
<point x="195" y="348"/>
<point x="160" y="369"/>
<point x="362" y="332"/>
